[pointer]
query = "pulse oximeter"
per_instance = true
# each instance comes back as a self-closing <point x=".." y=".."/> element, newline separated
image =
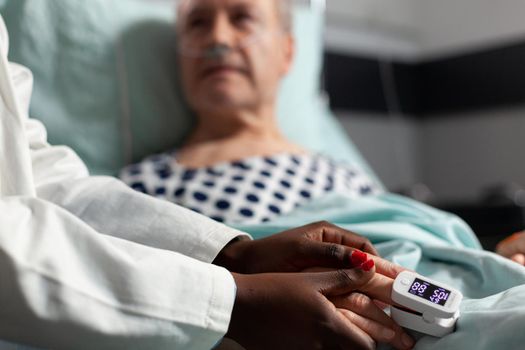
<point x="427" y="306"/>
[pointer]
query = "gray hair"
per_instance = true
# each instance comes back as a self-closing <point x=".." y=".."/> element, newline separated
<point x="285" y="11"/>
<point x="284" y="7"/>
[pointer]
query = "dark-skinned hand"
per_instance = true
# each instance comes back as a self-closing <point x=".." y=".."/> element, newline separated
<point x="316" y="245"/>
<point x="273" y="310"/>
<point x="295" y="311"/>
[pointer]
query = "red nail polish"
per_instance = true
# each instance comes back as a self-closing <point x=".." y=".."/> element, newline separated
<point x="358" y="258"/>
<point x="367" y="266"/>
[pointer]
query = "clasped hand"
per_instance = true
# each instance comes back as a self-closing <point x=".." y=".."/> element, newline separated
<point x="313" y="287"/>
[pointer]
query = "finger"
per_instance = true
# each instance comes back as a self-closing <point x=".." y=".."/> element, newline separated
<point x="381" y="304"/>
<point x="329" y="233"/>
<point x="364" y="306"/>
<point x="379" y="332"/>
<point x="329" y="255"/>
<point x="335" y="255"/>
<point x="519" y="258"/>
<point x="340" y="282"/>
<point x="379" y="287"/>
<point x="513" y="244"/>
<point x="350" y="336"/>
<point x="362" y="311"/>
<point x="375" y="330"/>
<point x="387" y="268"/>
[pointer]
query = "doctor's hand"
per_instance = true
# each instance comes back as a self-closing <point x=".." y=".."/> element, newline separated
<point x="311" y="310"/>
<point x="316" y="245"/>
<point x="513" y="248"/>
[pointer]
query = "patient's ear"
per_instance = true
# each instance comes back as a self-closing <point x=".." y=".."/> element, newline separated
<point x="288" y="53"/>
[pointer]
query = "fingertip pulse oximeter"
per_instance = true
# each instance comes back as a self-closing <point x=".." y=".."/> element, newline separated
<point x="427" y="306"/>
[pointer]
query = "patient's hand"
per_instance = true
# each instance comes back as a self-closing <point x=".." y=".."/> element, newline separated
<point x="324" y="248"/>
<point x="316" y="245"/>
<point x="311" y="310"/>
<point x="376" y="291"/>
<point x="378" y="288"/>
<point x="360" y="309"/>
<point x="513" y="247"/>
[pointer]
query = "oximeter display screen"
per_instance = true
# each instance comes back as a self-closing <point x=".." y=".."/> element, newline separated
<point x="429" y="291"/>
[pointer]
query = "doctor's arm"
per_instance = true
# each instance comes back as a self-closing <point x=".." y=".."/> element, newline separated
<point x="64" y="285"/>
<point x="109" y="206"/>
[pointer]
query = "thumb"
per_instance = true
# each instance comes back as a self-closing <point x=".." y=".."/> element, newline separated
<point x="321" y="254"/>
<point x="344" y="281"/>
<point x="519" y="258"/>
<point x="317" y="255"/>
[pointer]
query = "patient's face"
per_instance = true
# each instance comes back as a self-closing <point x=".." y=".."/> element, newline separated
<point x="233" y="53"/>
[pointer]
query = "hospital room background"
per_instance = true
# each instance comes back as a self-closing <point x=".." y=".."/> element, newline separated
<point x="427" y="95"/>
<point x="430" y="92"/>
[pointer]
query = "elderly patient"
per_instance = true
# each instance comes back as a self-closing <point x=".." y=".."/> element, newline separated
<point x="236" y="166"/>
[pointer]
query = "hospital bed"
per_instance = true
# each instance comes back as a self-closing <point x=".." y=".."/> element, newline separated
<point x="105" y="85"/>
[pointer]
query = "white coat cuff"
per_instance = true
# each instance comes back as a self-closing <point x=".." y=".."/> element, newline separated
<point x="221" y="304"/>
<point x="215" y="241"/>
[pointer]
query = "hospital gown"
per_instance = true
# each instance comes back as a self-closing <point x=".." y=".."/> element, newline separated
<point x="248" y="191"/>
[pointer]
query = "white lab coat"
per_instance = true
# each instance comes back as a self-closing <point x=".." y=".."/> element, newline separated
<point x="86" y="262"/>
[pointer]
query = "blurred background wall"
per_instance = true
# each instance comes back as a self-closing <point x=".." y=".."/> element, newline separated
<point x="432" y="92"/>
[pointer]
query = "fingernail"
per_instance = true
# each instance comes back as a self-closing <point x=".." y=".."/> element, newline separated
<point x="358" y="258"/>
<point x="388" y="333"/>
<point x="407" y="341"/>
<point x="368" y="265"/>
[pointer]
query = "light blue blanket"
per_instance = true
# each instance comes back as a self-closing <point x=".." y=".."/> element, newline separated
<point x="440" y="246"/>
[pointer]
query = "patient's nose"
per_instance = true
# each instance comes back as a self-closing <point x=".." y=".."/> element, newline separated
<point x="222" y="32"/>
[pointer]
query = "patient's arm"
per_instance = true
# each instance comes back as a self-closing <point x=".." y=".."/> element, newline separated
<point x="513" y="247"/>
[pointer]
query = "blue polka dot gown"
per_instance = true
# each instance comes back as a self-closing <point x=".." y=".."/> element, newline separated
<point x="253" y="190"/>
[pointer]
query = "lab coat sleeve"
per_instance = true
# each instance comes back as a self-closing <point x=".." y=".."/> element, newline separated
<point x="65" y="286"/>
<point x="109" y="206"/>
<point x="73" y="274"/>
